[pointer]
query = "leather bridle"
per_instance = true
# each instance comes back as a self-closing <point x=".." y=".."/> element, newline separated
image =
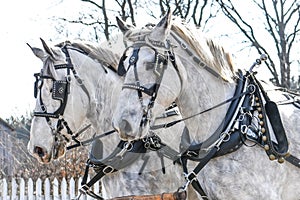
<point x="60" y="91"/>
<point x="159" y="66"/>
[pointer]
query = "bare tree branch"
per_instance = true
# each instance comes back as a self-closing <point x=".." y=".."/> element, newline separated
<point x="94" y="3"/>
<point x="277" y="18"/>
<point x="131" y="11"/>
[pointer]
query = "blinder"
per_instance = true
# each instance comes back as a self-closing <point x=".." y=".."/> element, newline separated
<point x="121" y="69"/>
<point x="36" y="84"/>
<point x="133" y="59"/>
<point x="60" y="90"/>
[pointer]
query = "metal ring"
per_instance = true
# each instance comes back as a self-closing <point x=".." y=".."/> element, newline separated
<point x="128" y="146"/>
<point x="241" y="117"/>
<point x="108" y="167"/>
<point x="244" y="129"/>
<point x="68" y="78"/>
<point x="225" y="134"/>
<point x="147" y="145"/>
<point x="251" y="88"/>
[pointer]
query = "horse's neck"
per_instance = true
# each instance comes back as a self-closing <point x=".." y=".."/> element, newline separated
<point x="203" y="91"/>
<point x="103" y="100"/>
<point x="101" y="86"/>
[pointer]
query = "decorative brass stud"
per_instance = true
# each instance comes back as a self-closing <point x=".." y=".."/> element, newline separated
<point x="267" y="147"/>
<point x="280" y="160"/>
<point x="259" y="109"/>
<point x="261" y="123"/>
<point x="256" y="98"/>
<point x="263" y="130"/>
<point x="287" y="154"/>
<point x="257" y="104"/>
<point x="260" y="116"/>
<point x="264" y="138"/>
<point x="272" y="157"/>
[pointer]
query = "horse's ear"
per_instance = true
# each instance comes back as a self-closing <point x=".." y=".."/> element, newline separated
<point x="123" y="26"/>
<point x="47" y="49"/>
<point x="162" y="29"/>
<point x="37" y="52"/>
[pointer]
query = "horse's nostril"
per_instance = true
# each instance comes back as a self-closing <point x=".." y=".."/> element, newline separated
<point x="39" y="151"/>
<point x="125" y="126"/>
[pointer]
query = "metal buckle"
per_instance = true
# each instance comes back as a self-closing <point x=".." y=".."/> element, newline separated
<point x="188" y="180"/>
<point x="244" y="129"/>
<point x="108" y="169"/>
<point x="191" y="153"/>
<point x="84" y="189"/>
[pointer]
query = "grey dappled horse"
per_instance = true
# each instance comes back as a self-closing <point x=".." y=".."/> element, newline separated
<point x="75" y="94"/>
<point x="171" y="61"/>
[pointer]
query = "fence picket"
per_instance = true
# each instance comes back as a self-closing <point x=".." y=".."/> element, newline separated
<point x="14" y="188"/>
<point x="19" y="189"/>
<point x="47" y="189"/>
<point x="63" y="189"/>
<point x="38" y="189"/>
<point x="30" y="189"/>
<point x="22" y="189"/>
<point x="4" y="190"/>
<point x="55" y="189"/>
<point x="72" y="188"/>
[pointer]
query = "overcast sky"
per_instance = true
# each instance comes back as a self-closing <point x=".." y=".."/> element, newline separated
<point x="22" y="22"/>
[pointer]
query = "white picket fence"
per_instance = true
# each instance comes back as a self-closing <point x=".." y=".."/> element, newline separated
<point x="42" y="190"/>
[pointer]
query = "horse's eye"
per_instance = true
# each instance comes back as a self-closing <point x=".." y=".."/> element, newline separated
<point x="149" y="65"/>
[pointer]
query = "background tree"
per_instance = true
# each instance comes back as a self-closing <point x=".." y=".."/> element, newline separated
<point x="280" y="19"/>
<point x="101" y="15"/>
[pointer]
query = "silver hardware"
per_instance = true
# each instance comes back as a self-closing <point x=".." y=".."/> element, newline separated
<point x="183" y="45"/>
<point x="108" y="169"/>
<point x="251" y="88"/>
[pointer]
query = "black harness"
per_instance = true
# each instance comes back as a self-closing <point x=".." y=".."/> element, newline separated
<point x="246" y="119"/>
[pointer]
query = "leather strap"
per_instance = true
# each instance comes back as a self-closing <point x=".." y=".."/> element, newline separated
<point x="293" y="160"/>
<point x="163" y="196"/>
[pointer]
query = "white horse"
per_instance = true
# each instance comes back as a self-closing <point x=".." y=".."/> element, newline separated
<point x="76" y="88"/>
<point x="199" y="76"/>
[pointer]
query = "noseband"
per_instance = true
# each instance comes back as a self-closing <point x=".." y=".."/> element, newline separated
<point x="159" y="66"/>
<point x="60" y="91"/>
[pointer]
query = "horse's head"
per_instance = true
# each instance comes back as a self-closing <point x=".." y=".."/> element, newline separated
<point x="151" y="79"/>
<point x="54" y="120"/>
